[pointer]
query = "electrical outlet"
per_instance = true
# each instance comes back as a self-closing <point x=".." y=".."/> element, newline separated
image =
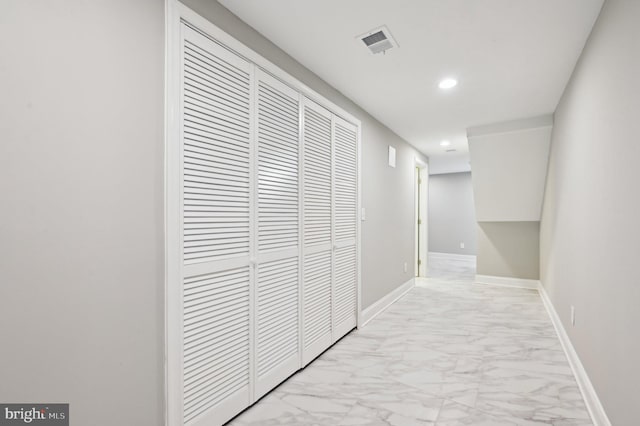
<point x="363" y="215"/>
<point x="462" y="245"/>
<point x="405" y="266"/>
<point x="573" y="315"/>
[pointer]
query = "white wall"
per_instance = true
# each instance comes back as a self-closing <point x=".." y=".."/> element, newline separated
<point x="590" y="223"/>
<point x="509" y="249"/>
<point x="452" y="218"/>
<point x="81" y="214"/>
<point x="509" y="163"/>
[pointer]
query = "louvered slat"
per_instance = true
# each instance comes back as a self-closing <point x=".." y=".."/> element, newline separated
<point x="216" y="338"/>
<point x="277" y="168"/>
<point x="277" y="312"/>
<point x="317" y="296"/>
<point x="317" y="178"/>
<point x="345" y="192"/>
<point x="216" y="137"/>
<point x="345" y="188"/>
<point x="345" y="284"/>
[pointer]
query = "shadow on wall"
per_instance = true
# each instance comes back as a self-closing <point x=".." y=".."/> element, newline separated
<point x="509" y="249"/>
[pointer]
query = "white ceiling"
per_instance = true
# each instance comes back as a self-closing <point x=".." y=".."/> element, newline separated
<point x="512" y="59"/>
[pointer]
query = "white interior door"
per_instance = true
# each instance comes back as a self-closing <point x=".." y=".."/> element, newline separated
<point x="421" y="215"/>
<point x="345" y="221"/>
<point x="424" y="219"/>
<point x="317" y="230"/>
<point x="216" y="217"/>
<point x="277" y="304"/>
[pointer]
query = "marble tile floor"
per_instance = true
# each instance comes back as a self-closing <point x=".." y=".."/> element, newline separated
<point x="449" y="268"/>
<point x="450" y="352"/>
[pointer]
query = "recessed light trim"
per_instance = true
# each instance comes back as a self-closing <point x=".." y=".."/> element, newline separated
<point x="445" y="143"/>
<point x="448" y="83"/>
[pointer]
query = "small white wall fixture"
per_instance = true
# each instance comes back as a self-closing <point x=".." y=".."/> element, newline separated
<point x="392" y="156"/>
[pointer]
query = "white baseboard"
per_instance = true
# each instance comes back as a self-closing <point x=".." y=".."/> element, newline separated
<point x="596" y="410"/>
<point x="451" y="256"/>
<point x="507" y="281"/>
<point x="372" y="311"/>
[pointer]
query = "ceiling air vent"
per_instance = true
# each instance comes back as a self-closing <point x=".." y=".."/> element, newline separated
<point x="378" y="40"/>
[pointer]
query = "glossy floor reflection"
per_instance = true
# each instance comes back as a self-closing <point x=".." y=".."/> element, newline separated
<point x="450" y="352"/>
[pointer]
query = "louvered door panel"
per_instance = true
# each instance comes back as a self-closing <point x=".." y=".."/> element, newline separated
<point x="278" y="187"/>
<point x="277" y="339"/>
<point x="344" y="284"/>
<point x="216" y="339"/>
<point x="317" y="299"/>
<point x="216" y="156"/>
<point x="317" y="177"/>
<point x="217" y="213"/>
<point x="278" y="236"/>
<point x="345" y="194"/>
<point x="317" y="230"/>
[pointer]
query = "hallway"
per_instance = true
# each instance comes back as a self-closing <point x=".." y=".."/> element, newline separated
<point x="449" y="352"/>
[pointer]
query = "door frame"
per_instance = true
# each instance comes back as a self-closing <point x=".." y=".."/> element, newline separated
<point x="421" y="233"/>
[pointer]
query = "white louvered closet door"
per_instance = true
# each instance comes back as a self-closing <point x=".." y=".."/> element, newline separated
<point x="278" y="211"/>
<point x="217" y="211"/>
<point x="345" y="196"/>
<point x="261" y="239"/>
<point x="317" y="231"/>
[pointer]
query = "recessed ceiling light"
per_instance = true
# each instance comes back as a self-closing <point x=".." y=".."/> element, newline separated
<point x="448" y="83"/>
<point x="445" y="143"/>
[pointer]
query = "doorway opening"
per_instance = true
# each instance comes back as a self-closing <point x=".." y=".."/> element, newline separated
<point x="421" y="228"/>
